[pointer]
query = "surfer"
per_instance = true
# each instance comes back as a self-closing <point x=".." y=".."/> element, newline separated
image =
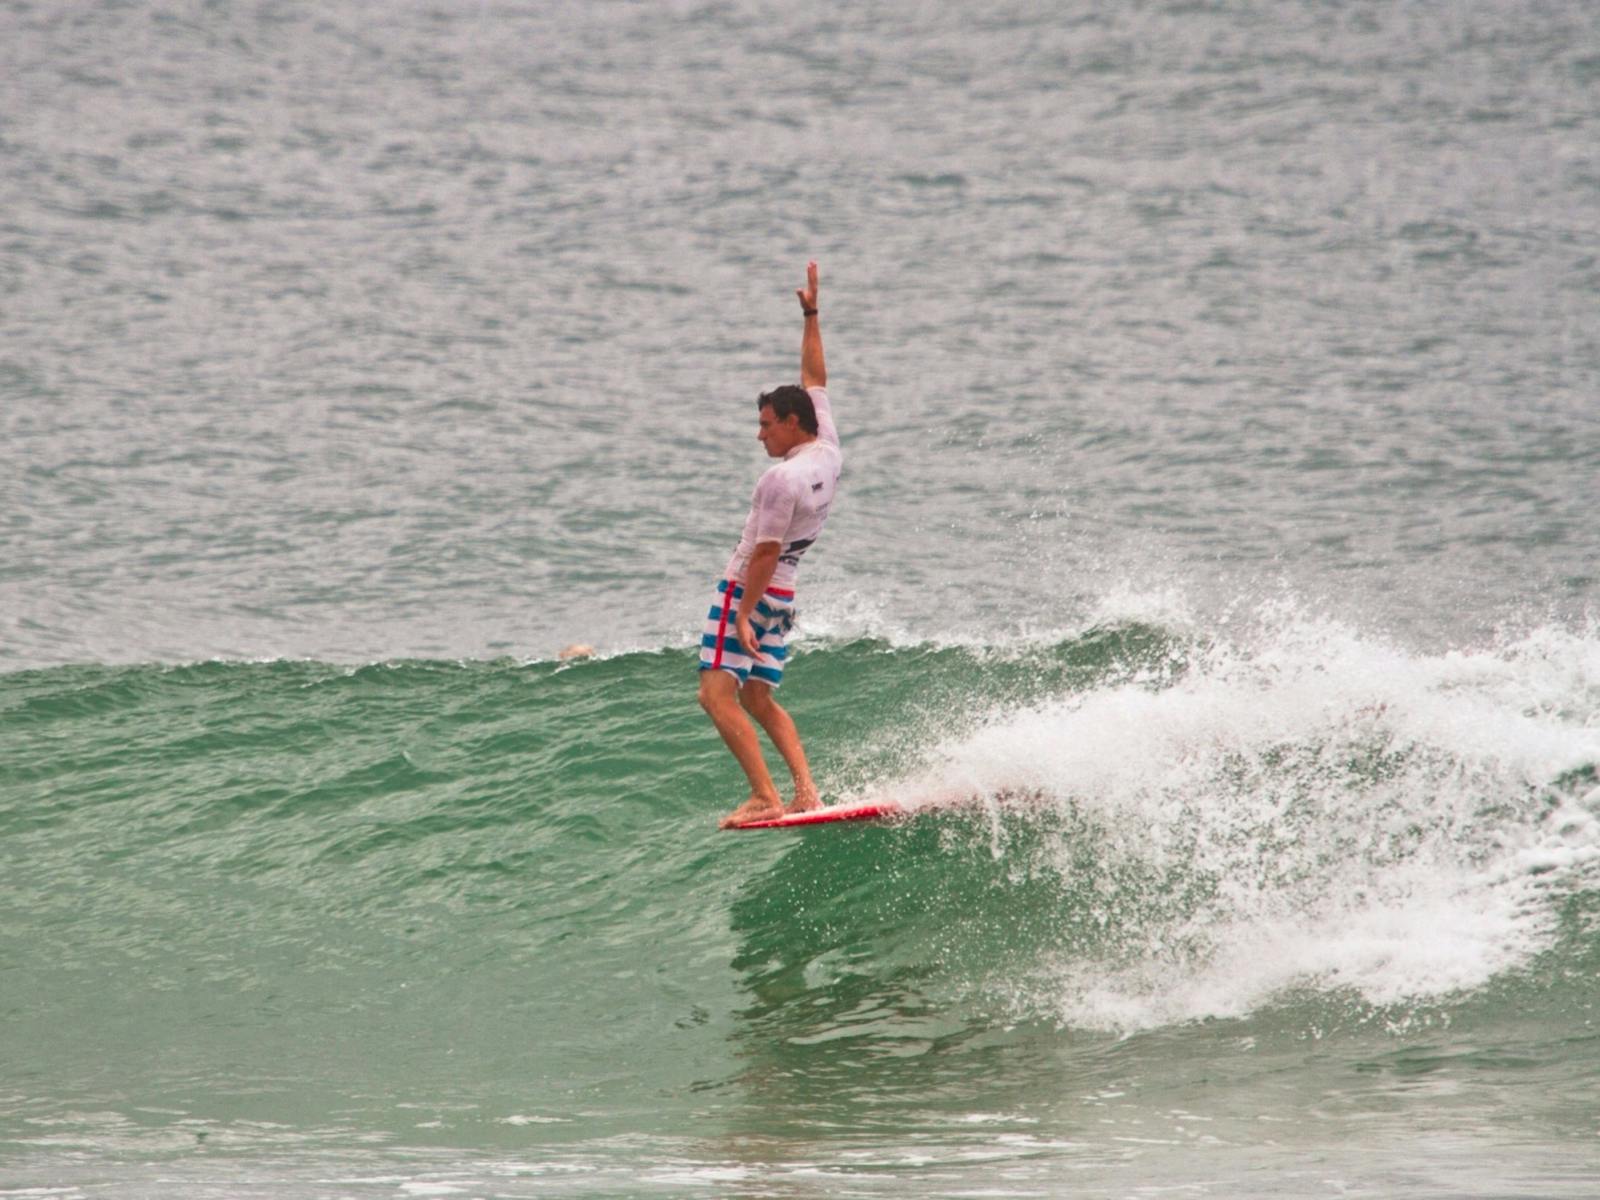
<point x="742" y="651"/>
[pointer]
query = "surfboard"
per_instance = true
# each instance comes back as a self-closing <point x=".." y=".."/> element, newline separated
<point x="877" y="810"/>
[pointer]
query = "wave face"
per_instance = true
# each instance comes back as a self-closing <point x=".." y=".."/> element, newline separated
<point x="485" y="904"/>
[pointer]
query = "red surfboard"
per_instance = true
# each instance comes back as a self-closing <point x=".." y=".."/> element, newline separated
<point x="877" y="810"/>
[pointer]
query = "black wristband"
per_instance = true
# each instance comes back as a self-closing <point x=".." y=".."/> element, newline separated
<point x="807" y="312"/>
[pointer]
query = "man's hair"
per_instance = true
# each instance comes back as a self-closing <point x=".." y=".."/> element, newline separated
<point x="790" y="399"/>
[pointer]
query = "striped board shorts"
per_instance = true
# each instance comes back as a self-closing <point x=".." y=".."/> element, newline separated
<point x="772" y="619"/>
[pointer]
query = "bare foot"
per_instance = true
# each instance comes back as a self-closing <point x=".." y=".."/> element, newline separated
<point x="757" y="808"/>
<point x="805" y="800"/>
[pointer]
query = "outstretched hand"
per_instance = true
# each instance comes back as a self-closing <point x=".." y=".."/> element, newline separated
<point x="808" y="294"/>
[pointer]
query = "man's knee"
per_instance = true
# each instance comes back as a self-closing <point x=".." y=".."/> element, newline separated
<point x="716" y="689"/>
<point x="756" y="698"/>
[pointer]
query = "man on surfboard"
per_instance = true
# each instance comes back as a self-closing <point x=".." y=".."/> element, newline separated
<point x="742" y="651"/>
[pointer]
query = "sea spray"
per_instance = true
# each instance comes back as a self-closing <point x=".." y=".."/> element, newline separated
<point x="1311" y="808"/>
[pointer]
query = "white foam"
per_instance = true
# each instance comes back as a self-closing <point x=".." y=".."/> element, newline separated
<point x="1124" y="604"/>
<point x="1339" y="814"/>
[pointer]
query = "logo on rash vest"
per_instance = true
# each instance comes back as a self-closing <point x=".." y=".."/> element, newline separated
<point x="792" y="552"/>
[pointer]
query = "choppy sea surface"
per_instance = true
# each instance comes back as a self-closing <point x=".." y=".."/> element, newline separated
<point x="1213" y="576"/>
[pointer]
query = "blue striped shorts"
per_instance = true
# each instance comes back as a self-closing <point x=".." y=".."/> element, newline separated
<point x="772" y="619"/>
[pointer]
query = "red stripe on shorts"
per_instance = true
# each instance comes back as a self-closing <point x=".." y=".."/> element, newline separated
<point x="722" y="625"/>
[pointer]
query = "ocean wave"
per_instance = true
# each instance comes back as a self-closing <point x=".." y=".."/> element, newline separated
<point x="1308" y="809"/>
<point x="1133" y="826"/>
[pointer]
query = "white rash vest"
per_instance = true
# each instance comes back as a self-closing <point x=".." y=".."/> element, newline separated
<point x="792" y="498"/>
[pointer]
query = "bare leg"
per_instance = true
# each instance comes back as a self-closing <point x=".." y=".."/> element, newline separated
<point x="758" y="702"/>
<point x="719" y="697"/>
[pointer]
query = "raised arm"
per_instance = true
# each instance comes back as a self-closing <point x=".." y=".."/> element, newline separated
<point x="813" y="370"/>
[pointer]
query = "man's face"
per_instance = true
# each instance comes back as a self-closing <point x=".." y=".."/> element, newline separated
<point x="779" y="437"/>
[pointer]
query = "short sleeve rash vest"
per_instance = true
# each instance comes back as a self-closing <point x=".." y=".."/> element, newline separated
<point x="792" y="499"/>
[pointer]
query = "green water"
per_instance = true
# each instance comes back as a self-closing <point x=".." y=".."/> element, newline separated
<point x="274" y="911"/>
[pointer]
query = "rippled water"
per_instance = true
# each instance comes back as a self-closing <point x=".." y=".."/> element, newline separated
<point x="357" y="330"/>
<point x="1217" y="389"/>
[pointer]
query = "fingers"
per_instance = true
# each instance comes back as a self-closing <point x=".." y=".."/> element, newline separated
<point x="808" y="294"/>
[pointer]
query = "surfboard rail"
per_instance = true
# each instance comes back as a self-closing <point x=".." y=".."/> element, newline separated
<point x="876" y="810"/>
